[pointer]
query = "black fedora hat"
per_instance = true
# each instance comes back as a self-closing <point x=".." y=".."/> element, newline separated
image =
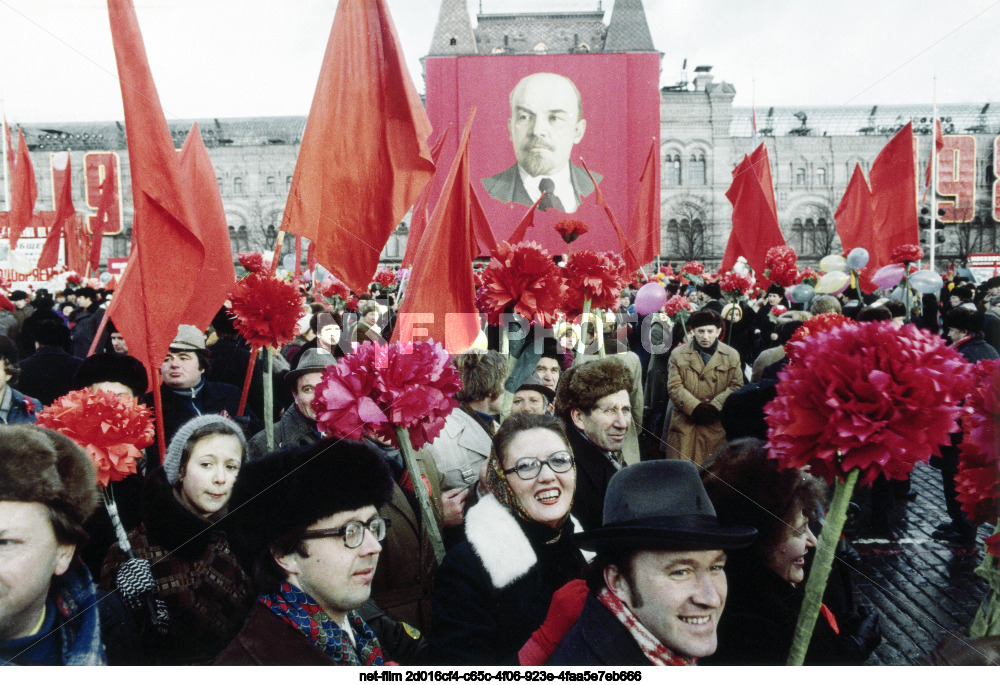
<point x="662" y="505"/>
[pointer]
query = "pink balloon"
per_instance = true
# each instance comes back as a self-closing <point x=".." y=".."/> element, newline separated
<point x="650" y="298"/>
<point x="889" y="275"/>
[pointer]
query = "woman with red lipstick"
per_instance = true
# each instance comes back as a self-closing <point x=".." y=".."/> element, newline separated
<point x="183" y="561"/>
<point x="766" y="580"/>
<point x="493" y="590"/>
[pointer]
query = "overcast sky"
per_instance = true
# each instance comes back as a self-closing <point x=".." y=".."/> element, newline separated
<point x="230" y="58"/>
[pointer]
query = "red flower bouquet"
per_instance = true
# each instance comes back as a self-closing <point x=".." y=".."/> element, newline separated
<point x="113" y="430"/>
<point x="808" y="276"/>
<point x="253" y="262"/>
<point x="779" y="266"/>
<point x="74" y="279"/>
<point x="385" y="281"/>
<point x="735" y="285"/>
<point x="418" y="389"/>
<point x="676" y="304"/>
<point x="595" y="276"/>
<point x="267" y="310"/>
<point x="345" y="400"/>
<point x="818" y="324"/>
<point x="977" y="483"/>
<point x="522" y="278"/>
<point x="335" y="292"/>
<point x="865" y="396"/>
<point x="776" y="311"/>
<point x="906" y="253"/>
<point x="570" y="229"/>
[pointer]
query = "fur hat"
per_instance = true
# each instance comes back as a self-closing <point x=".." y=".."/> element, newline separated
<point x="775" y="289"/>
<point x="964" y="319"/>
<point x="38" y="465"/>
<point x="172" y="462"/>
<point x="112" y="368"/>
<point x="581" y="387"/>
<point x="294" y="487"/>
<point x="704" y="317"/>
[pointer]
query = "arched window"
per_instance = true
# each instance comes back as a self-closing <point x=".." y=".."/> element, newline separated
<point x="270" y="185"/>
<point x="288" y="183"/>
<point x="673" y="170"/>
<point x="697" y="170"/>
<point x="219" y="181"/>
<point x="237" y="186"/>
<point x="800" y="177"/>
<point x="821" y="176"/>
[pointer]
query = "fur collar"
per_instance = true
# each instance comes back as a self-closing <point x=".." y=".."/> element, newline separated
<point x="498" y="541"/>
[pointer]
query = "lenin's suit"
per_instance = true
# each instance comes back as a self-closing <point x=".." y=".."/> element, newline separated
<point x="507" y="186"/>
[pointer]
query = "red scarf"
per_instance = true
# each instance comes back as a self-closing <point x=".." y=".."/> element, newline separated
<point x="650" y="646"/>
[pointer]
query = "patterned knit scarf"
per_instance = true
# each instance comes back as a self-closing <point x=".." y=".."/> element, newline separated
<point x="650" y="646"/>
<point x="300" y="611"/>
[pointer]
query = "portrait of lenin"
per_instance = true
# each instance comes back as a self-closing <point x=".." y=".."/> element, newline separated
<point x="546" y="121"/>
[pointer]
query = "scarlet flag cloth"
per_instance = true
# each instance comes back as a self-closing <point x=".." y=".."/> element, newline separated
<point x="10" y="149"/>
<point x="526" y="222"/>
<point x="419" y="216"/>
<point x="938" y="146"/>
<point x="23" y="192"/>
<point x="164" y="270"/>
<point x="217" y="275"/>
<point x="364" y="158"/>
<point x="855" y="222"/>
<point x="62" y="176"/>
<point x="893" y="179"/>
<point x="441" y="294"/>
<point x="645" y="225"/>
<point x="101" y="220"/>
<point x="755" y="221"/>
<point x="628" y="254"/>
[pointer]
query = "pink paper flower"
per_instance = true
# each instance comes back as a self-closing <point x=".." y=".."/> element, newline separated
<point x="977" y="482"/>
<point x="345" y="396"/>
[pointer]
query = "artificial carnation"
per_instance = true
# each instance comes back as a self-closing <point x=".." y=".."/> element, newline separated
<point x="570" y="229"/>
<point x="252" y="262"/>
<point x="418" y="388"/>
<point x="345" y="396"/>
<point x="693" y="268"/>
<point x="735" y="284"/>
<point x="522" y="278"/>
<point x="868" y="396"/>
<point x="112" y="430"/>
<point x="595" y="276"/>
<point x="779" y="265"/>
<point x="977" y="483"/>
<point x="675" y="304"/>
<point x="385" y="280"/>
<point x="335" y="291"/>
<point x="777" y="310"/>
<point x="808" y="276"/>
<point x="266" y="310"/>
<point x="906" y="253"/>
<point x="818" y="324"/>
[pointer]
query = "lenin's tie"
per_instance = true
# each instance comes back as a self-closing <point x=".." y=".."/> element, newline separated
<point x="549" y="199"/>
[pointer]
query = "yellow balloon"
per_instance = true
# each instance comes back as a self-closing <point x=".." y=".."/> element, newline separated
<point x="833" y="282"/>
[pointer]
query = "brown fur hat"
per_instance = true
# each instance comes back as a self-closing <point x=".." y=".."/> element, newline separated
<point x="581" y="387"/>
<point x="38" y="465"/>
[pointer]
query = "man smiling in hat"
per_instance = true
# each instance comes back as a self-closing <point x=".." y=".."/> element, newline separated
<point x="658" y="582"/>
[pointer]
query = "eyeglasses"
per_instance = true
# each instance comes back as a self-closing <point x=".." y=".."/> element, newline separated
<point x="529" y="467"/>
<point x="353" y="531"/>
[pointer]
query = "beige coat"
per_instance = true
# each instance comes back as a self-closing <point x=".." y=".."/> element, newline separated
<point x="690" y="383"/>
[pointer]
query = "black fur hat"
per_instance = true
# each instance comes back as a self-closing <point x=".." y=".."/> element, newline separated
<point x="114" y="368"/>
<point x="292" y="488"/>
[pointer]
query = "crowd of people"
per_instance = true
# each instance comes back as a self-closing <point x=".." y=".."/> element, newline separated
<point x="605" y="497"/>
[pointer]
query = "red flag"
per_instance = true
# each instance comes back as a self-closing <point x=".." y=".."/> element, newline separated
<point x="419" y="215"/>
<point x="23" y="192"/>
<point x="526" y="222"/>
<point x="645" y="225"/>
<point x="216" y="276"/>
<point x="164" y="269"/>
<point x="101" y="220"/>
<point x="10" y="149"/>
<point x="755" y="221"/>
<point x="364" y="158"/>
<point x="628" y="254"/>
<point x="62" y="174"/>
<point x="440" y="301"/>
<point x="893" y="179"/>
<point x="855" y="222"/>
<point x="311" y="258"/>
<point x="485" y="243"/>
<point x="938" y="146"/>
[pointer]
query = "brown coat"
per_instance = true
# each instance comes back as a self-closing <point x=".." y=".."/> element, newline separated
<point x="690" y="382"/>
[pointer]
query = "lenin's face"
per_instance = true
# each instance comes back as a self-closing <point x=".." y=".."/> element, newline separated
<point x="544" y="122"/>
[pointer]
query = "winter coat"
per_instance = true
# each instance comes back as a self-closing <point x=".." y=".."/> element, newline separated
<point x="976" y="350"/>
<point x="85" y="329"/>
<point x="594" y="468"/>
<point x="493" y="590"/>
<point x="461" y="448"/>
<point x="29" y="329"/>
<point x="292" y="429"/>
<point x="267" y="640"/>
<point x="692" y="382"/>
<point x="23" y="409"/>
<point x="598" y="639"/>
<point x="48" y="373"/>
<point x="207" y="593"/>
<point x="655" y="391"/>
<point x="630" y="450"/>
<point x="8" y="325"/>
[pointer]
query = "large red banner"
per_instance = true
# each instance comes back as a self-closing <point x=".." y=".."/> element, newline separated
<point x="537" y="116"/>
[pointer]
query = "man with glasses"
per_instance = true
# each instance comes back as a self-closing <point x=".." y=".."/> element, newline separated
<point x="306" y="521"/>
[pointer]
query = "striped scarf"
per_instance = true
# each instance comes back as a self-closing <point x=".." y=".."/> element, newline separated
<point x="299" y="610"/>
<point x="650" y="646"/>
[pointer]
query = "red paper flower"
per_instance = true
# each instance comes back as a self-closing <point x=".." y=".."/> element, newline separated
<point x="735" y="284"/>
<point x="867" y="396"/>
<point x="345" y="396"/>
<point x="335" y="292"/>
<point x="74" y="279"/>
<point x="677" y="303"/>
<point x="595" y="276"/>
<point x="385" y="280"/>
<point x="977" y="482"/>
<point x="267" y="310"/>
<point x="779" y="265"/>
<point x="113" y="430"/>
<point x="818" y="324"/>
<point x="777" y="310"/>
<point x="570" y="229"/>
<point x="906" y="253"/>
<point x="693" y="269"/>
<point x="808" y="276"/>
<point x="252" y="262"/>
<point x="352" y="303"/>
<point x="522" y="278"/>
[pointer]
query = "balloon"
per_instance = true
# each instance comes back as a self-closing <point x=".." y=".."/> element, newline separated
<point x="105" y="277"/>
<point x="19" y="264"/>
<point x="857" y="258"/>
<point x="897" y="294"/>
<point x="803" y="292"/>
<point x="650" y="298"/>
<point x="926" y="281"/>
<point x="833" y="282"/>
<point x="321" y="273"/>
<point x="833" y="262"/>
<point x="888" y="276"/>
<point x="288" y="261"/>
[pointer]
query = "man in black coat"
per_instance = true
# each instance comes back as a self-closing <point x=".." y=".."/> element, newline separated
<point x="48" y="373"/>
<point x="87" y="319"/>
<point x="658" y="583"/>
<point x="29" y="329"/>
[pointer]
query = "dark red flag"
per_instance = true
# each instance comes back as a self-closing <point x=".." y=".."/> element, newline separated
<point x="855" y="222"/>
<point x="23" y="191"/>
<point x="645" y="225"/>
<point x="755" y="222"/>
<point x="419" y="216"/>
<point x="628" y="254"/>
<point x="938" y="146"/>
<point x="894" y="196"/>
<point x="440" y="300"/>
<point x="62" y="177"/>
<point x="364" y="158"/>
<point x="10" y="149"/>
<point x="527" y="221"/>
<point x="104" y="207"/>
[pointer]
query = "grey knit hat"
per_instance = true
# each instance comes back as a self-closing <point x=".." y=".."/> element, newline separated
<point x="172" y="462"/>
